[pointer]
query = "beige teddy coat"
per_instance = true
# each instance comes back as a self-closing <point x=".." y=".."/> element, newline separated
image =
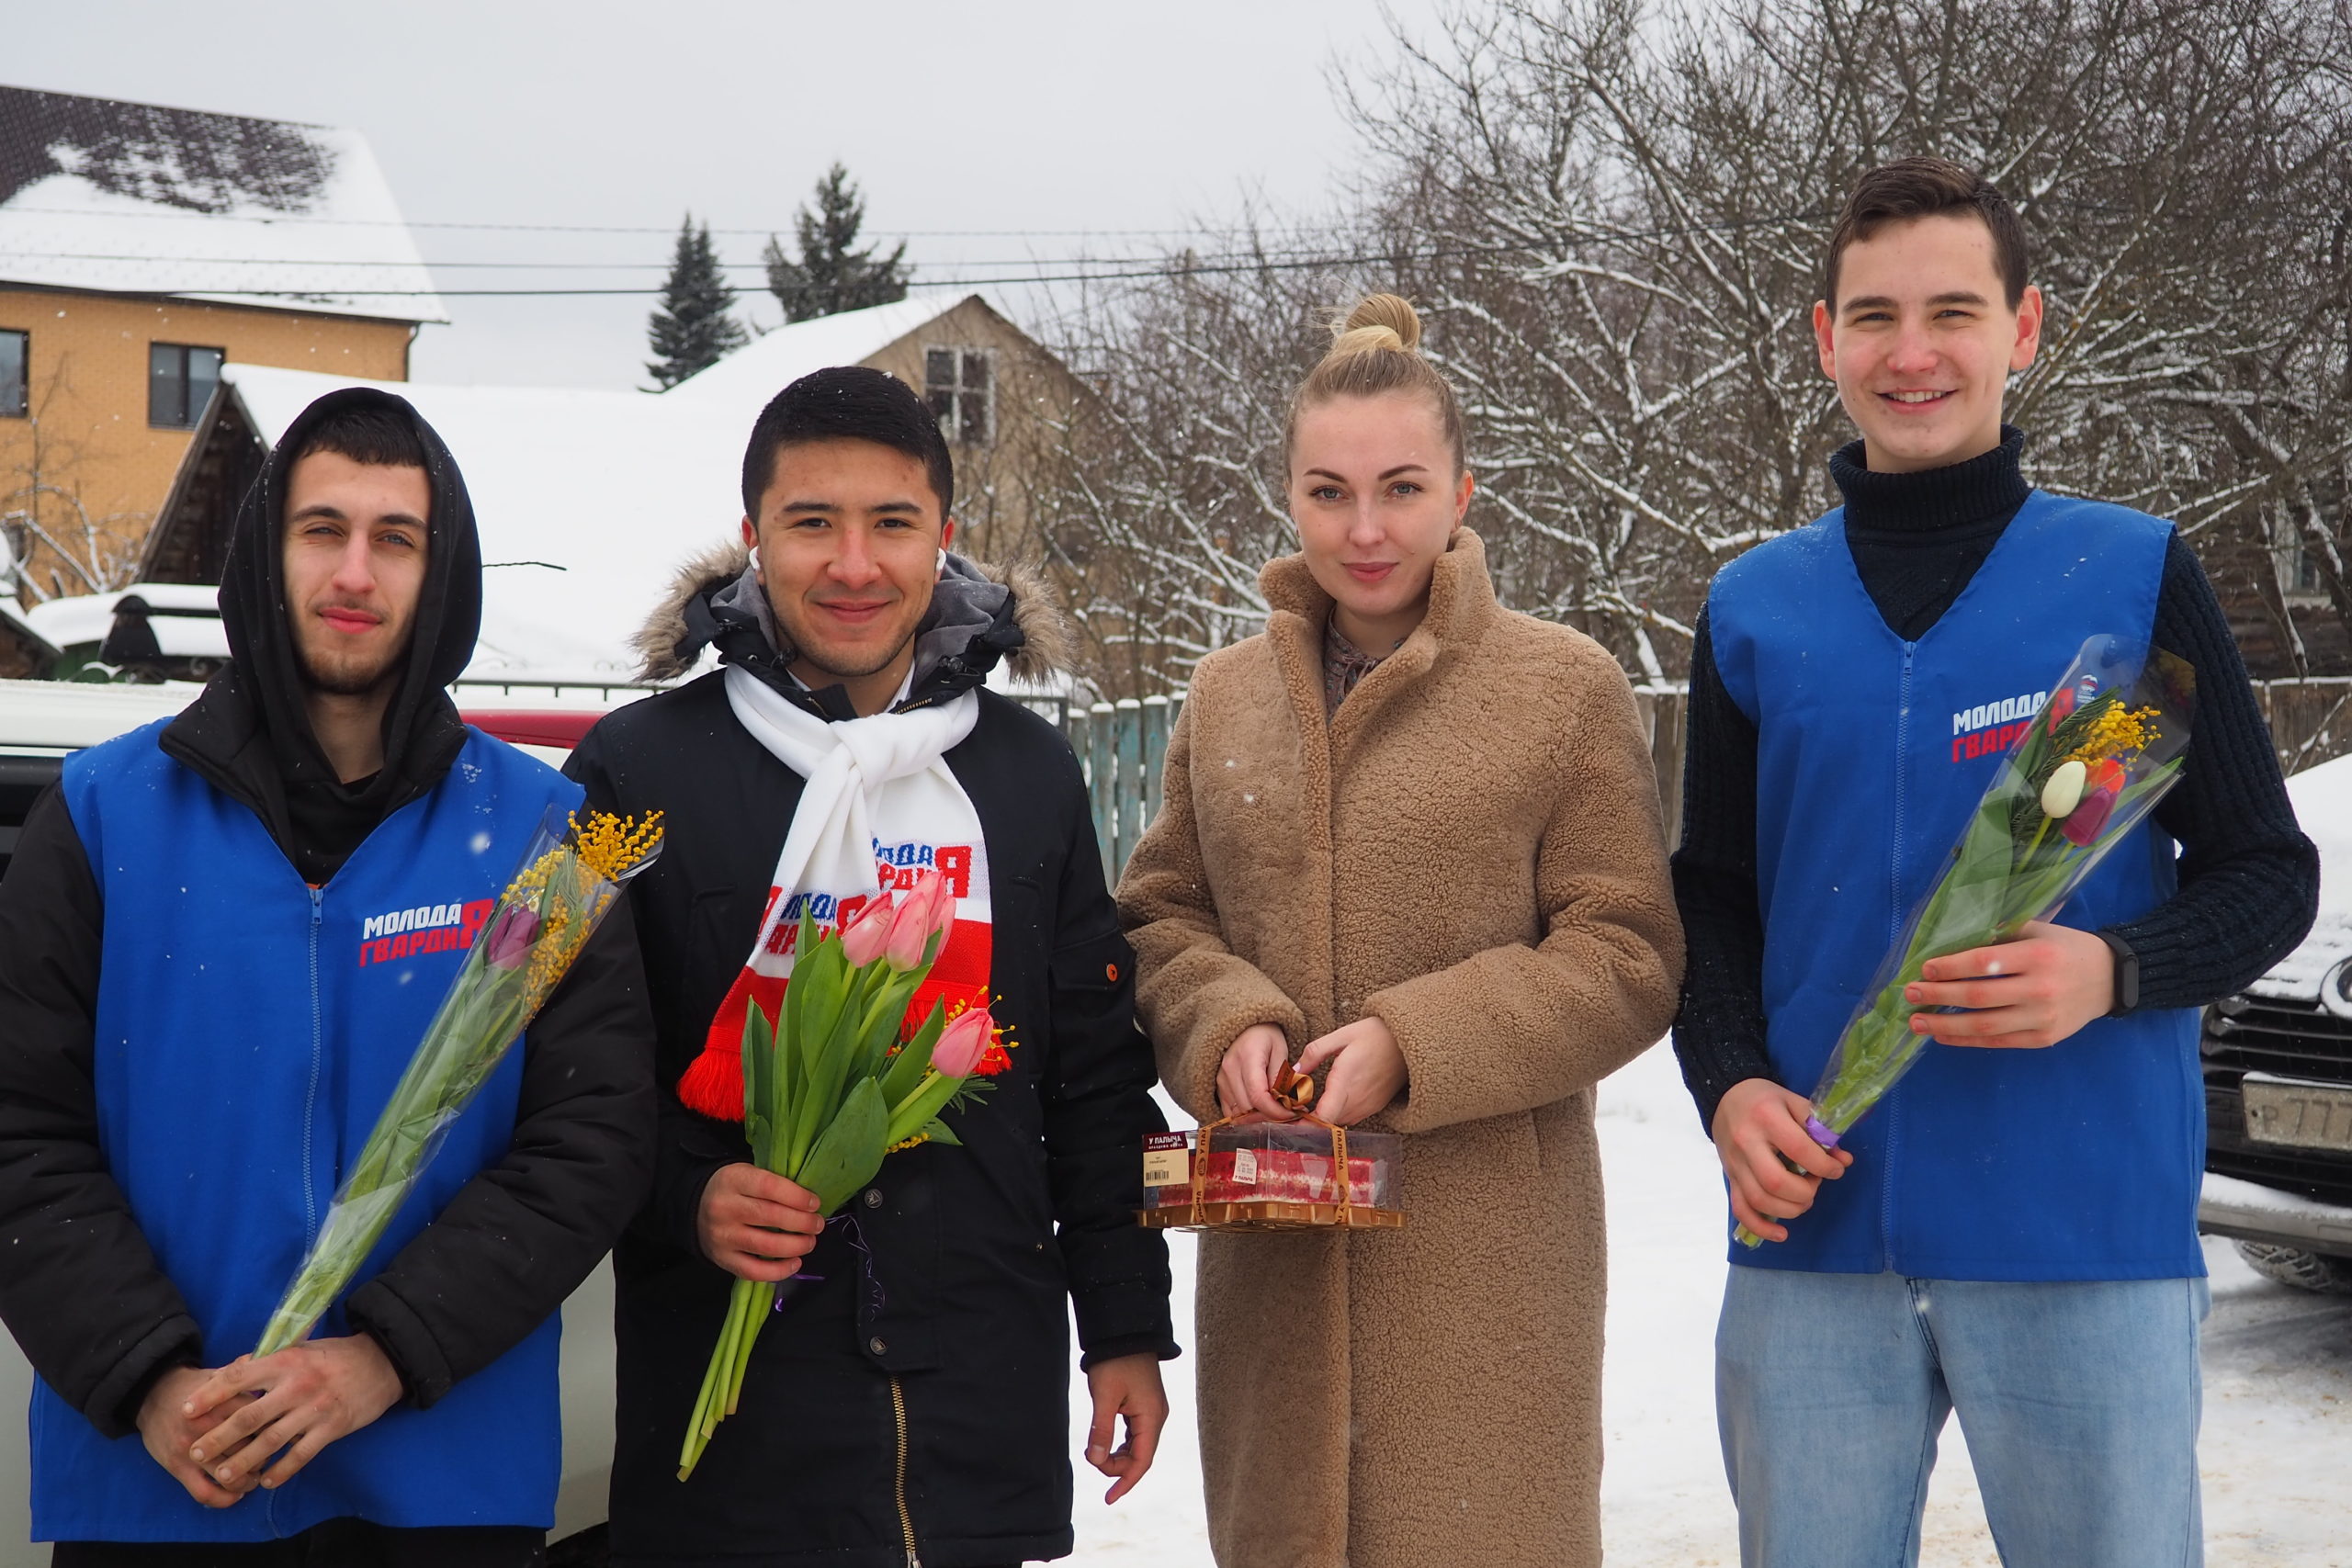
<point x="1470" y="849"/>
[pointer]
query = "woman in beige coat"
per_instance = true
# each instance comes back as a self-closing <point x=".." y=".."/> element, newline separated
<point x="1413" y="837"/>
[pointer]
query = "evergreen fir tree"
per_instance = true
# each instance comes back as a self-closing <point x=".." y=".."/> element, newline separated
<point x="695" y="325"/>
<point x="831" y="275"/>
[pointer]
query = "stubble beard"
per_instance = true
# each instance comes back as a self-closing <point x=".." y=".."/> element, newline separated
<point x="348" y="677"/>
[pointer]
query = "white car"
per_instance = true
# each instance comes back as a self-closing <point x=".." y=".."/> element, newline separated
<point x="2278" y="1060"/>
<point x="40" y="722"/>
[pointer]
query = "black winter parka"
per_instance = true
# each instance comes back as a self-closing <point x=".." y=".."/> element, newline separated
<point x="913" y="1399"/>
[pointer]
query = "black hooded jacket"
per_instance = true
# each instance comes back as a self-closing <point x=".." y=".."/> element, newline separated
<point x="912" y="1401"/>
<point x="83" y="1293"/>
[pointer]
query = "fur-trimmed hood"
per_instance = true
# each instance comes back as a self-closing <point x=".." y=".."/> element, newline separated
<point x="1010" y="612"/>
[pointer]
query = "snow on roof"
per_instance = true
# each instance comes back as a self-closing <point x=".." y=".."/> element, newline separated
<point x="16" y="620"/>
<point x="592" y="498"/>
<point x="84" y="619"/>
<point x="134" y="199"/>
<point x="768" y="364"/>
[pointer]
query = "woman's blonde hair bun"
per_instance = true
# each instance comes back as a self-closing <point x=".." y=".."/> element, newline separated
<point x="1379" y="320"/>
<point x="1377" y="349"/>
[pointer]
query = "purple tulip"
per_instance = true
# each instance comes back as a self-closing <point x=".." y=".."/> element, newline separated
<point x="511" y="936"/>
<point x="2089" y="818"/>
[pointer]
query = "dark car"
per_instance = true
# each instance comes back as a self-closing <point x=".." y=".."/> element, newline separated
<point x="2278" y="1060"/>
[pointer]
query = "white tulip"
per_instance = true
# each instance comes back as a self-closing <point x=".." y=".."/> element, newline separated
<point x="2064" y="790"/>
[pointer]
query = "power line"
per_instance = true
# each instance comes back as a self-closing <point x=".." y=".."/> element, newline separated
<point x="613" y="228"/>
<point x="1111" y="270"/>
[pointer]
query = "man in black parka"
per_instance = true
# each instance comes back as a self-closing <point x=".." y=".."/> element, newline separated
<point x="195" y="1040"/>
<point x="908" y="1402"/>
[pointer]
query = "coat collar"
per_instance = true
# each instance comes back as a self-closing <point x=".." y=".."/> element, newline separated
<point x="1462" y="606"/>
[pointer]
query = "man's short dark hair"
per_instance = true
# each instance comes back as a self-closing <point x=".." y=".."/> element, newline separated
<point x="848" y="402"/>
<point x="376" y="436"/>
<point x="1922" y="187"/>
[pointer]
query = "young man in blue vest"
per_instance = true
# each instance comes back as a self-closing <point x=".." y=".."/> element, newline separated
<point x="195" y="1040"/>
<point x="2011" y="1233"/>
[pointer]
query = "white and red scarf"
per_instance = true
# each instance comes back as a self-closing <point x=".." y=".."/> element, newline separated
<point x="880" y="806"/>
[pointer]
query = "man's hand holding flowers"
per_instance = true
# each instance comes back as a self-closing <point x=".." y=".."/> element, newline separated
<point x="1775" y="1167"/>
<point x="2021" y="994"/>
<point x="291" y="1403"/>
<point x="756" y="1225"/>
<point x="169" y="1432"/>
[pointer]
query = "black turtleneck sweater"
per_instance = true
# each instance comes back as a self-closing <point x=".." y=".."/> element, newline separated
<point x="2248" y="876"/>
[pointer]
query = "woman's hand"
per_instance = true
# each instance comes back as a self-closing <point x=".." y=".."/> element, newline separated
<point x="1252" y="1065"/>
<point x="1367" y="1071"/>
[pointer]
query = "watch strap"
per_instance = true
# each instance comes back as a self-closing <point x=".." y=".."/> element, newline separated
<point x="2127" y="973"/>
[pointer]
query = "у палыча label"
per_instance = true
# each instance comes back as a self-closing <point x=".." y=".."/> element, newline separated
<point x="1167" y="1159"/>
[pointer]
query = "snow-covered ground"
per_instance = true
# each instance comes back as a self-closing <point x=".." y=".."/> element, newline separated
<point x="2278" y="1438"/>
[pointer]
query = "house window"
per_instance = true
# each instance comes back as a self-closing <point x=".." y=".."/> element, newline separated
<point x="959" y="384"/>
<point x="16" y="373"/>
<point x="179" y="383"/>
<point x="2306" y="576"/>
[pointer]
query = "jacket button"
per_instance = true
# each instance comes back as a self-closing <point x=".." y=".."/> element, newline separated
<point x="877" y="1344"/>
<point x="1111" y="972"/>
<point x="874" y="1196"/>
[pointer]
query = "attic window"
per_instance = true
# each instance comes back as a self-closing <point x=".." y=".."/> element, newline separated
<point x="959" y="385"/>
<point x="16" y="373"/>
<point x="180" y="379"/>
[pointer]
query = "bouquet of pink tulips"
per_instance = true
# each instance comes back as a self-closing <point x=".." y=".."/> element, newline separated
<point x="830" y="1088"/>
<point x="2088" y="765"/>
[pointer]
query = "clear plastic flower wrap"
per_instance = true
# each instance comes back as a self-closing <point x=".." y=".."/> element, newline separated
<point x="2094" y="759"/>
<point x="567" y="880"/>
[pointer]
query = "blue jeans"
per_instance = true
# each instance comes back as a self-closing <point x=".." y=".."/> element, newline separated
<point x="2079" y="1401"/>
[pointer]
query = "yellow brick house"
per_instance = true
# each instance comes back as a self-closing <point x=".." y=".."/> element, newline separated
<point x="141" y="248"/>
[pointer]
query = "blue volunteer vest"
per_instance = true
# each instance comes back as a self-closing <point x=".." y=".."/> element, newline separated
<point x="2078" y="1162"/>
<point x="249" y="1030"/>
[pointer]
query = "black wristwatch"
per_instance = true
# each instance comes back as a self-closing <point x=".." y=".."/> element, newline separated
<point x="2127" y="973"/>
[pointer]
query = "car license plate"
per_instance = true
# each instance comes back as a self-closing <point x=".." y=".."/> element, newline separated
<point x="2300" y="1115"/>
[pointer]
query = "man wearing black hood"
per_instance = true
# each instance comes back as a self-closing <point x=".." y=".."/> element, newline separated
<point x="197" y="1035"/>
<point x="909" y="1403"/>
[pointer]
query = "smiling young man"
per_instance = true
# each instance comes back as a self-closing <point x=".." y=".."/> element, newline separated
<point x="195" y="1040"/>
<point x="2011" y="1233"/>
<point x="907" y="1404"/>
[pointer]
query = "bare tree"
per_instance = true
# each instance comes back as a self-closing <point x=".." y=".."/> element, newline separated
<point x="1617" y="216"/>
<point x="1613" y="215"/>
<point x="69" y="550"/>
<point x="1171" y="498"/>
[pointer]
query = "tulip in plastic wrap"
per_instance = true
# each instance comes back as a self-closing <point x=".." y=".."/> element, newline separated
<point x="2103" y="750"/>
<point x="568" y="879"/>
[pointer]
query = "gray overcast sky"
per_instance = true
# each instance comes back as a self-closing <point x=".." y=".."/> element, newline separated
<point x="1023" y="114"/>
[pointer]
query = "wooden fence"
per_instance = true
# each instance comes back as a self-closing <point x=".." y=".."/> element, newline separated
<point x="1122" y="745"/>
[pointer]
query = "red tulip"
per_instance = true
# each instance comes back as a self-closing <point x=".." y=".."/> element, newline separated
<point x="2062" y="703"/>
<point x="963" y="1043"/>
<point x="867" y="932"/>
<point x="2088" y="817"/>
<point x="2106" y="773"/>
